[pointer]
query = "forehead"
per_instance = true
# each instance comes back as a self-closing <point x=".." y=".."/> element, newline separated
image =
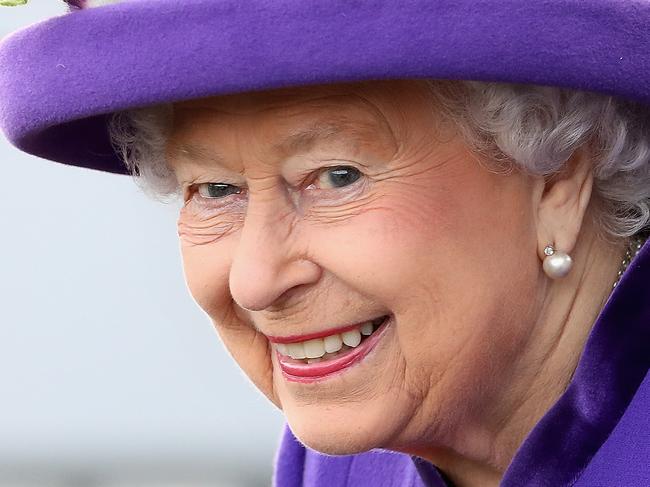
<point x="376" y="119"/>
<point x="385" y="106"/>
<point x="292" y="120"/>
<point x="370" y="92"/>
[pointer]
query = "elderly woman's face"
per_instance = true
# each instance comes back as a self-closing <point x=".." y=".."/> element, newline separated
<point x="309" y="212"/>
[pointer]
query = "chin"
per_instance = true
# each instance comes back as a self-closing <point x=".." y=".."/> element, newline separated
<point x="334" y="441"/>
<point x="343" y="432"/>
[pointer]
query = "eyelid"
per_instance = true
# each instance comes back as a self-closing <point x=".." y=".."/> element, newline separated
<point x="199" y="186"/>
<point x="316" y="168"/>
<point x="303" y="180"/>
<point x="191" y="188"/>
<point x="342" y="164"/>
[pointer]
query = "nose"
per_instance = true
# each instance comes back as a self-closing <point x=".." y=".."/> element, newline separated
<point x="267" y="261"/>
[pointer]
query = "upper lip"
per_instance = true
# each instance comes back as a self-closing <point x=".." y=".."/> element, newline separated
<point x="318" y="334"/>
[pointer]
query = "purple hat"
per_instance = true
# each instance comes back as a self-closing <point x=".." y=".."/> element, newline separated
<point x="60" y="79"/>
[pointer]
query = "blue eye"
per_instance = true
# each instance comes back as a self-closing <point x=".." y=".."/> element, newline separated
<point x="217" y="190"/>
<point x="339" y="176"/>
<point x="328" y="178"/>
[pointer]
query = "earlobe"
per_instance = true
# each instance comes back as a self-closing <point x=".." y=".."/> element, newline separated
<point x="563" y="204"/>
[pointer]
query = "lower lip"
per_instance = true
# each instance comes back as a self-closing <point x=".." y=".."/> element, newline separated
<point x="301" y="372"/>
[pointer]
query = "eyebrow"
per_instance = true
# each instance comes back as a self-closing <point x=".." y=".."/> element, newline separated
<point x="301" y="140"/>
<point x="304" y="139"/>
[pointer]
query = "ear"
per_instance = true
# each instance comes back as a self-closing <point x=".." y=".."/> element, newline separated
<point x="563" y="203"/>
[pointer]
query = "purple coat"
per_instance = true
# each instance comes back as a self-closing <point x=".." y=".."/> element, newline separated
<point x="596" y="435"/>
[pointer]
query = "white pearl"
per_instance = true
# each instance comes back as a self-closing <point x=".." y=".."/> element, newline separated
<point x="557" y="265"/>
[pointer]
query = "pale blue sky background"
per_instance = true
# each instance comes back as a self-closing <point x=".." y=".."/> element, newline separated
<point x="110" y="375"/>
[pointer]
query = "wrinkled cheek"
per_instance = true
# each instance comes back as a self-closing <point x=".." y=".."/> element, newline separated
<point x="206" y="244"/>
<point x="206" y="273"/>
<point x="200" y="229"/>
<point x="206" y="269"/>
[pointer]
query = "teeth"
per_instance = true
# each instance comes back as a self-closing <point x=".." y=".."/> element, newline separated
<point x="351" y="338"/>
<point x="366" y="328"/>
<point x="296" y="350"/>
<point x="317" y="348"/>
<point x="333" y="343"/>
<point x="314" y="348"/>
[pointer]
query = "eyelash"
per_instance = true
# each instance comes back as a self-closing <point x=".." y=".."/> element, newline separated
<point x="194" y="189"/>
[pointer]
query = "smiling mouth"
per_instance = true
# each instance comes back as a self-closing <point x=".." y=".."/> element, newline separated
<point x="320" y="357"/>
<point x="315" y="349"/>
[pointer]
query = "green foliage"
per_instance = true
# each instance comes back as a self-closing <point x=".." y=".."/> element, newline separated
<point x="12" y="3"/>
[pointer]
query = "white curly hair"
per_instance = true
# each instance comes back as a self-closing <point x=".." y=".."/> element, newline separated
<point x="533" y="128"/>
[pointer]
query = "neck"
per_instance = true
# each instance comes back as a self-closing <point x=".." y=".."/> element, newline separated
<point x="569" y="309"/>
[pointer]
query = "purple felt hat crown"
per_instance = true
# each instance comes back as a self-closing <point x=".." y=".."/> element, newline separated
<point x="60" y="79"/>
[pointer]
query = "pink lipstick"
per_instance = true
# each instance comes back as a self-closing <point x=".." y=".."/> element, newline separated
<point x="298" y="371"/>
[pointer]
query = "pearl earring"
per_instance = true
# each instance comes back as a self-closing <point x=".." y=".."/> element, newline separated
<point x="556" y="264"/>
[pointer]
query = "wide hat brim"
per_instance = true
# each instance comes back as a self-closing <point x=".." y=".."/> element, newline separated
<point x="60" y="79"/>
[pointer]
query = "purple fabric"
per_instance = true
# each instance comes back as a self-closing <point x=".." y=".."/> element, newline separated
<point x="298" y="466"/>
<point x="58" y="78"/>
<point x="613" y="365"/>
<point x="596" y="435"/>
<point x="627" y="447"/>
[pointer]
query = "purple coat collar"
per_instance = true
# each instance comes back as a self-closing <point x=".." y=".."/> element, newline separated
<point x="613" y="364"/>
<point x="598" y="429"/>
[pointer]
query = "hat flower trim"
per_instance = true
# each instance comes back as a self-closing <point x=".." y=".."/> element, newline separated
<point x="73" y="4"/>
<point x="81" y="4"/>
